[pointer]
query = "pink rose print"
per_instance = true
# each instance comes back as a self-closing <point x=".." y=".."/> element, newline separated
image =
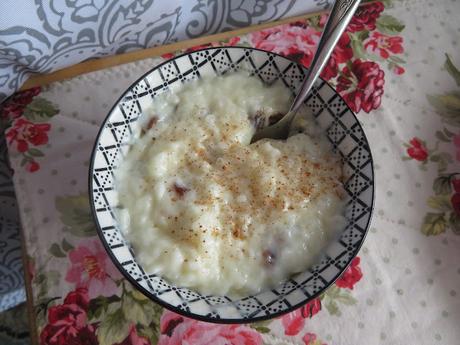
<point x="351" y="276"/>
<point x="366" y="16"/>
<point x="361" y="85"/>
<point x="67" y="322"/>
<point x="133" y="338"/>
<point x="311" y="339"/>
<point x="294" y="322"/>
<point x="417" y="150"/>
<point x="92" y="268"/>
<point x="179" y="330"/>
<point x="24" y="133"/>
<point x="296" y="41"/>
<point x="383" y="45"/>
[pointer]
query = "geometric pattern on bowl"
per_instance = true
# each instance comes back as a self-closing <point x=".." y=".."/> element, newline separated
<point x="332" y="114"/>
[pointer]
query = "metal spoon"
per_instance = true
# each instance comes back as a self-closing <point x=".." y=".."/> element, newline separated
<point x="340" y="16"/>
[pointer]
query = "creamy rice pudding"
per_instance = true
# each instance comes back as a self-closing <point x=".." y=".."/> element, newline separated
<point x="205" y="209"/>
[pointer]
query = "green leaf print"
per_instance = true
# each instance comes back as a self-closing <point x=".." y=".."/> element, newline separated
<point x="454" y="223"/>
<point x="389" y="25"/>
<point x="335" y="296"/>
<point x="43" y="281"/>
<point x="66" y="246"/>
<point x="442" y="137"/>
<point x="434" y="224"/>
<point x="75" y="214"/>
<point x="387" y="3"/>
<point x="261" y="326"/>
<point x="440" y="202"/>
<point x="442" y="185"/>
<point x="356" y="40"/>
<point x="442" y="159"/>
<point x="332" y="307"/>
<point x="35" y="152"/>
<point x="137" y="311"/>
<point x="448" y="106"/>
<point x="40" y="110"/>
<point x="150" y="332"/>
<point x="452" y="70"/>
<point x="99" y="305"/>
<point x="113" y="328"/>
<point x="56" y="251"/>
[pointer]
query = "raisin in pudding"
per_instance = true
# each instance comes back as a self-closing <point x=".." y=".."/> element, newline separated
<point x="207" y="210"/>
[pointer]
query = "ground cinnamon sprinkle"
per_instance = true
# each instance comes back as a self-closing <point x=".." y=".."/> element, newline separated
<point x="222" y="200"/>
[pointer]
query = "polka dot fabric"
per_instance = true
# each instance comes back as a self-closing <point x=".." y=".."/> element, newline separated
<point x="404" y="285"/>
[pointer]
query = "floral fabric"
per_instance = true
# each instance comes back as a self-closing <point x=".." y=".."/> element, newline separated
<point x="404" y="286"/>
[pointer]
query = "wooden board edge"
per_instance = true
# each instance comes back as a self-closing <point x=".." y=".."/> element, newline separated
<point x="115" y="60"/>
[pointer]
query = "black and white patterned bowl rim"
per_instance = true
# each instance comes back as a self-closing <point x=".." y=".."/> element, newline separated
<point x="331" y="112"/>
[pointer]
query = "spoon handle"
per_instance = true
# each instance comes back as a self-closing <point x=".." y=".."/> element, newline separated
<point x="339" y="17"/>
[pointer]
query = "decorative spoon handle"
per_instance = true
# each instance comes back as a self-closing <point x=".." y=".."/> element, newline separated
<point x="340" y="16"/>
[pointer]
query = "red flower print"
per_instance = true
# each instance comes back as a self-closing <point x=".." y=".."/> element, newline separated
<point x="178" y="330"/>
<point x="133" y="338"/>
<point x="361" y="85"/>
<point x="79" y="297"/>
<point x="456" y="141"/>
<point x="168" y="56"/>
<point x="294" y="322"/>
<point x="198" y="47"/>
<point x="366" y="16"/>
<point x="456" y="185"/>
<point x="383" y="45"/>
<point x="455" y="201"/>
<point x="351" y="276"/>
<point x="417" y="150"/>
<point x="232" y="41"/>
<point x="15" y="105"/>
<point x="311" y="308"/>
<point x="24" y="132"/>
<point x="342" y="53"/>
<point x="67" y="322"/>
<point x="330" y="70"/>
<point x="32" y="166"/>
<point x="311" y="339"/>
<point x="92" y="268"/>
<point x="398" y="70"/>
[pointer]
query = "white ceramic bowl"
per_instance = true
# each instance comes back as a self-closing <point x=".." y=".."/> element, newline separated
<point x="332" y="114"/>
